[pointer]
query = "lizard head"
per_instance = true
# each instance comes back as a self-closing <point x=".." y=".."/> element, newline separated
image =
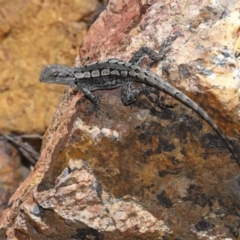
<point x="57" y="74"/>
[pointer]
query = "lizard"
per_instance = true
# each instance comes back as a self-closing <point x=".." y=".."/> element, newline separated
<point x="114" y="73"/>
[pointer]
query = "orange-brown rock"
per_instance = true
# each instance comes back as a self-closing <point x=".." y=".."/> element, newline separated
<point x="33" y="34"/>
<point x="139" y="172"/>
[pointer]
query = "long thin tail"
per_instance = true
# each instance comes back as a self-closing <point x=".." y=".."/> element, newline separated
<point x="164" y="86"/>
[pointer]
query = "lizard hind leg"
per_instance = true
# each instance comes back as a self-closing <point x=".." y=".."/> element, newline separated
<point x="130" y="95"/>
<point x="156" y="101"/>
<point x="155" y="56"/>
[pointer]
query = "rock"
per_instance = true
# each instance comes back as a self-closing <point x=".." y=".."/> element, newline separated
<point x="139" y="172"/>
<point x="33" y="34"/>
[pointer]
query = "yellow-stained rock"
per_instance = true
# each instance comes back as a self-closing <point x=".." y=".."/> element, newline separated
<point x="33" y="34"/>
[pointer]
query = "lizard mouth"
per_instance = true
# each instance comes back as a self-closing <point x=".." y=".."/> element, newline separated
<point x="58" y="80"/>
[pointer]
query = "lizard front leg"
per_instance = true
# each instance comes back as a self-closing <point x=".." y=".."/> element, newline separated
<point x="94" y="100"/>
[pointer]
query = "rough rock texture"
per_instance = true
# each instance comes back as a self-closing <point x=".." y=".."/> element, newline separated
<point x="33" y="34"/>
<point x="139" y="172"/>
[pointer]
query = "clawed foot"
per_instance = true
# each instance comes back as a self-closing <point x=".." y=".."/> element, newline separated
<point x="162" y="105"/>
<point x="157" y="102"/>
<point x="95" y="109"/>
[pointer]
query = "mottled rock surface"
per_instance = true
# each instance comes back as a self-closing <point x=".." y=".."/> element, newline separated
<point x="139" y="172"/>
